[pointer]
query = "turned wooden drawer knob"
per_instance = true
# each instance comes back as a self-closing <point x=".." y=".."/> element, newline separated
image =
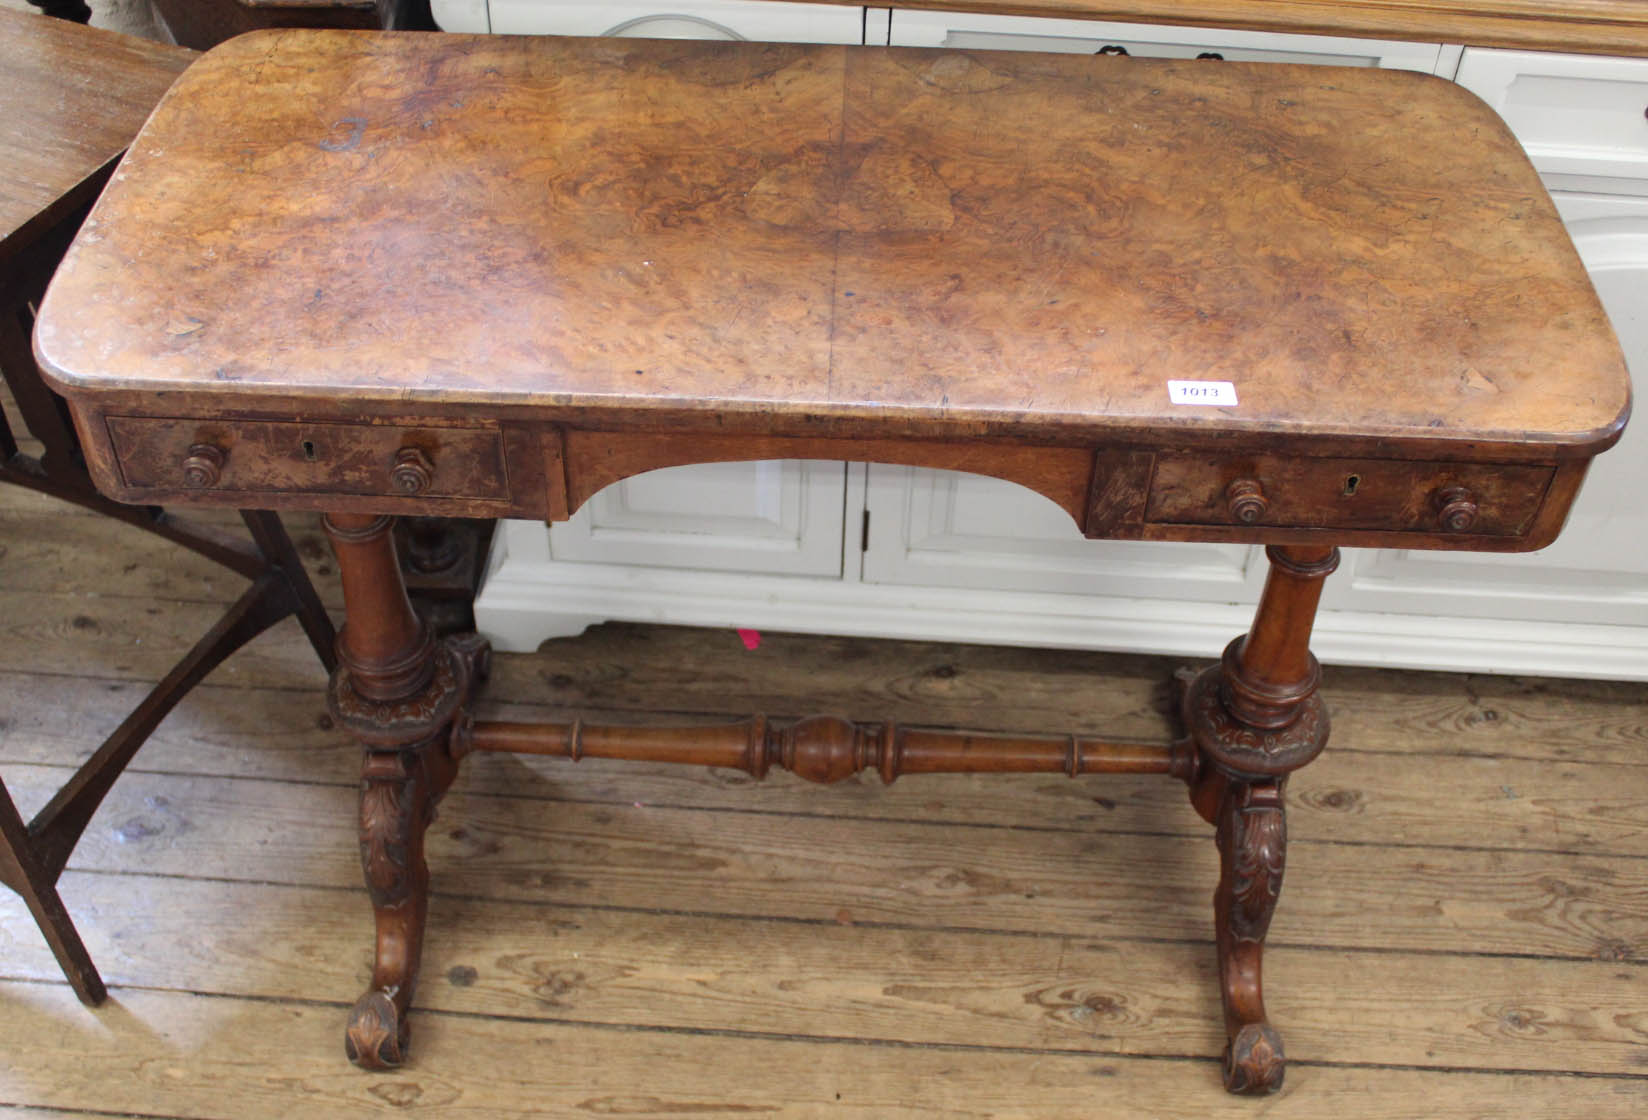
<point x="1456" y="508"/>
<point x="204" y="465"/>
<point x="412" y="472"/>
<point x="1247" y="500"/>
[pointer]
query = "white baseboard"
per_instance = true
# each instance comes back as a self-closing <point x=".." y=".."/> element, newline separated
<point x="524" y="603"/>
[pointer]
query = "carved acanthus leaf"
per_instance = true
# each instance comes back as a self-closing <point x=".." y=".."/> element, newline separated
<point x="386" y="805"/>
<point x="1258" y="853"/>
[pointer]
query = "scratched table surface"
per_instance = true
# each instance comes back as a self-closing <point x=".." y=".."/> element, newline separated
<point x="956" y="241"/>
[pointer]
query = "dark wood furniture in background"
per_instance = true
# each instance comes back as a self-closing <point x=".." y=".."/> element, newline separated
<point x="60" y="135"/>
<point x="74" y="11"/>
<point x="379" y="275"/>
<point x="203" y="24"/>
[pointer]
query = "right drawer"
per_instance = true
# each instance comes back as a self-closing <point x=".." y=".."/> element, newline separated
<point x="1583" y="119"/>
<point x="1467" y="499"/>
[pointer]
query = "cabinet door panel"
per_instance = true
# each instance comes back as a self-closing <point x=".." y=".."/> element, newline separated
<point x="973" y="31"/>
<point x="947" y="529"/>
<point x="757" y="20"/>
<point x="1578" y="116"/>
<point x="782" y="518"/>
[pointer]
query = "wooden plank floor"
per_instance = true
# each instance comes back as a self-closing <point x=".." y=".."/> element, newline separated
<point x="1464" y="931"/>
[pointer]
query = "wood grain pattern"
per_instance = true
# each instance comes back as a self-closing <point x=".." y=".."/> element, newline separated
<point x="131" y="1066"/>
<point x="812" y="866"/>
<point x="83" y="91"/>
<point x="1118" y="493"/>
<point x="104" y="639"/>
<point x="637" y="968"/>
<point x="847" y="246"/>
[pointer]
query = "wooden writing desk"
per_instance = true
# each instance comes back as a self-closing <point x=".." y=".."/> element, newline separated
<point x="374" y="274"/>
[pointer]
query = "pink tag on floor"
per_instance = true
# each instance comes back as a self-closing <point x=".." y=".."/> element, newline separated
<point x="750" y="638"/>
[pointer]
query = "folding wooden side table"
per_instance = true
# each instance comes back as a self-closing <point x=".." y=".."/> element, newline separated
<point x="71" y="100"/>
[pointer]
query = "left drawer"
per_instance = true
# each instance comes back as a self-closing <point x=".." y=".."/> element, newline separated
<point x="278" y="457"/>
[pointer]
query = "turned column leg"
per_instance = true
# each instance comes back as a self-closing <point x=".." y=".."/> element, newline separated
<point x="399" y="692"/>
<point x="1254" y="718"/>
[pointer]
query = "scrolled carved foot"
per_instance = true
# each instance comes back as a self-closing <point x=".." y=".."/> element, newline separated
<point x="1252" y="837"/>
<point x="1254" y="1062"/>
<point x="377" y="1036"/>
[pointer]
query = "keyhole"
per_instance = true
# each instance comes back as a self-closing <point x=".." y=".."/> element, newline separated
<point x="1351" y="483"/>
<point x="309" y="450"/>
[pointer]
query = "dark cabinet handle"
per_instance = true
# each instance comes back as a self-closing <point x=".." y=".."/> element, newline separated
<point x="1456" y="508"/>
<point x="203" y="466"/>
<point x="1247" y="501"/>
<point x="1214" y="55"/>
<point x="412" y="472"/>
<point x="1113" y="48"/>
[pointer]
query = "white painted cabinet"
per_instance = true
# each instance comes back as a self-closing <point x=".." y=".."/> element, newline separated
<point x="976" y="31"/>
<point x="756" y="20"/>
<point x="1580" y="117"/>
<point x="782" y="517"/>
<point x="899" y="551"/>
<point x="946" y="529"/>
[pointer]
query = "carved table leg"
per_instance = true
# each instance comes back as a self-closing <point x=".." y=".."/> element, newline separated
<point x="399" y="692"/>
<point x="1254" y="718"/>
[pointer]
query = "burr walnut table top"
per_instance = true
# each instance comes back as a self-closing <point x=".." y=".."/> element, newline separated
<point x="944" y="241"/>
<point x="487" y="276"/>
